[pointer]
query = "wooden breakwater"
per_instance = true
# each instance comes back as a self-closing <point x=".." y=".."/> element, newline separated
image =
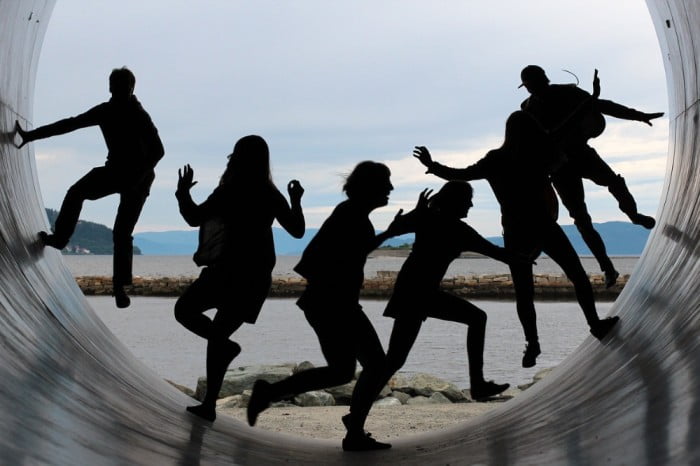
<point x="499" y="286"/>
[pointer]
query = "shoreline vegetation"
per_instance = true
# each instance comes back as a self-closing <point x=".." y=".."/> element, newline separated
<point x="491" y="286"/>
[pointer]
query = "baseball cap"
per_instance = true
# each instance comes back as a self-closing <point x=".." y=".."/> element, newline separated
<point x="532" y="73"/>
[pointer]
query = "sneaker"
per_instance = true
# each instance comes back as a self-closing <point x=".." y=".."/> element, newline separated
<point x="611" y="277"/>
<point x="532" y="350"/>
<point x="50" y="240"/>
<point x="603" y="327"/>
<point x="363" y="442"/>
<point x="643" y="220"/>
<point x="259" y="400"/>
<point x="120" y="297"/>
<point x="485" y="390"/>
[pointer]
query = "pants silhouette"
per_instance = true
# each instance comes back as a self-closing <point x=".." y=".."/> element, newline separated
<point x="443" y="306"/>
<point x="96" y="184"/>
<point x="211" y="290"/>
<point x="551" y="240"/>
<point x="586" y="163"/>
<point x="345" y="336"/>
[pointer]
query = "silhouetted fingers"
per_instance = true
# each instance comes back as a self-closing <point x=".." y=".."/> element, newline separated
<point x="596" y="84"/>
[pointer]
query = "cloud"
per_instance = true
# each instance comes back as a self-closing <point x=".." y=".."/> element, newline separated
<point x="329" y="84"/>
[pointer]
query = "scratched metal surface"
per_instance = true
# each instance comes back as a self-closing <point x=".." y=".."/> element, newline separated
<point x="71" y="394"/>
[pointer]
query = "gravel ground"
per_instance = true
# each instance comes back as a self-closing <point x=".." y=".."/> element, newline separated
<point x="384" y="422"/>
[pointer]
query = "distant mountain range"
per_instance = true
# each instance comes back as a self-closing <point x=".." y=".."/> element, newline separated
<point x="621" y="238"/>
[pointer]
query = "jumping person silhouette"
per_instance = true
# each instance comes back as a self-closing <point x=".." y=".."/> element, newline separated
<point x="333" y="264"/>
<point x="440" y="237"/>
<point x="237" y="249"/>
<point x="550" y="105"/>
<point x="518" y="173"/>
<point x="134" y="149"/>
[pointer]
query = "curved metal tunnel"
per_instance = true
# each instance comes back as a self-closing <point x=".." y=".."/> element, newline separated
<point x="70" y="393"/>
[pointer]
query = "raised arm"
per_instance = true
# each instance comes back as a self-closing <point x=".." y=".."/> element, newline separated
<point x="292" y="218"/>
<point x="473" y="172"/>
<point x="608" y="107"/>
<point x="405" y="223"/>
<point x="188" y="209"/>
<point x="473" y="241"/>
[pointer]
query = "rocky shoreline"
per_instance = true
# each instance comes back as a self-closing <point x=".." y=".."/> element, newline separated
<point x="496" y="286"/>
<point x="416" y="389"/>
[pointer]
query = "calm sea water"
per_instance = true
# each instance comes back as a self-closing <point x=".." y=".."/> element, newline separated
<point x="281" y="334"/>
<point x="176" y="266"/>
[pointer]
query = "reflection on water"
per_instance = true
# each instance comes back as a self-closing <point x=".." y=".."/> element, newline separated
<point x="282" y="334"/>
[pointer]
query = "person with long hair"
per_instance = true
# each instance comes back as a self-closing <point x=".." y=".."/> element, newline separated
<point x="237" y="249"/>
<point x="440" y="237"/>
<point x="332" y="265"/>
<point x="518" y="173"/>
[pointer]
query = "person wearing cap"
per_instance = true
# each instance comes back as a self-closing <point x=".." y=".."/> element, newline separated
<point x="518" y="173"/>
<point x="551" y="105"/>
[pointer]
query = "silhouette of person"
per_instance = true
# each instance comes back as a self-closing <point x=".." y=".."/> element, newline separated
<point x="333" y="264"/>
<point x="134" y="149"/>
<point x="237" y="249"/>
<point x="440" y="237"/>
<point x="518" y="175"/>
<point x="550" y="104"/>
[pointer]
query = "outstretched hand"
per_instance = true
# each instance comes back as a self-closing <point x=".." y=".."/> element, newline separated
<point x="185" y="175"/>
<point x="22" y="133"/>
<point x="423" y="155"/>
<point x="424" y="199"/>
<point x="647" y="117"/>
<point x="295" y="190"/>
<point x="596" y="84"/>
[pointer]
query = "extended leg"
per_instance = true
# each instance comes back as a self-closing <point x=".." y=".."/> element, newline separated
<point x="524" y="242"/>
<point x="128" y="212"/>
<point x="338" y="345"/>
<point x="453" y="309"/>
<point x="369" y="384"/>
<point x="220" y="352"/>
<point x="558" y="247"/>
<point x="596" y="170"/>
<point x="377" y="370"/>
<point x="97" y="183"/>
<point x="570" y="188"/>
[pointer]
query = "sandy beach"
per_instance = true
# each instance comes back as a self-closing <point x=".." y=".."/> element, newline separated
<point x="384" y="422"/>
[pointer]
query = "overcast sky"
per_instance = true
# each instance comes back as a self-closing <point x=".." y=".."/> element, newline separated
<point x="329" y="84"/>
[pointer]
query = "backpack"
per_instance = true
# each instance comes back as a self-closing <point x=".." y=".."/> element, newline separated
<point x="211" y="242"/>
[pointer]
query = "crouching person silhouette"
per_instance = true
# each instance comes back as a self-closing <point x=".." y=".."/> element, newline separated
<point x="440" y="237"/>
<point x="236" y="247"/>
<point x="134" y="149"/>
<point x="333" y="264"/>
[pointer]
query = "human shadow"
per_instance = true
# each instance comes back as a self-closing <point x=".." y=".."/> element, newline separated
<point x="518" y="173"/>
<point x="237" y="251"/>
<point x="330" y="300"/>
<point x="440" y="237"/>
<point x="134" y="149"/>
<point x="551" y="104"/>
